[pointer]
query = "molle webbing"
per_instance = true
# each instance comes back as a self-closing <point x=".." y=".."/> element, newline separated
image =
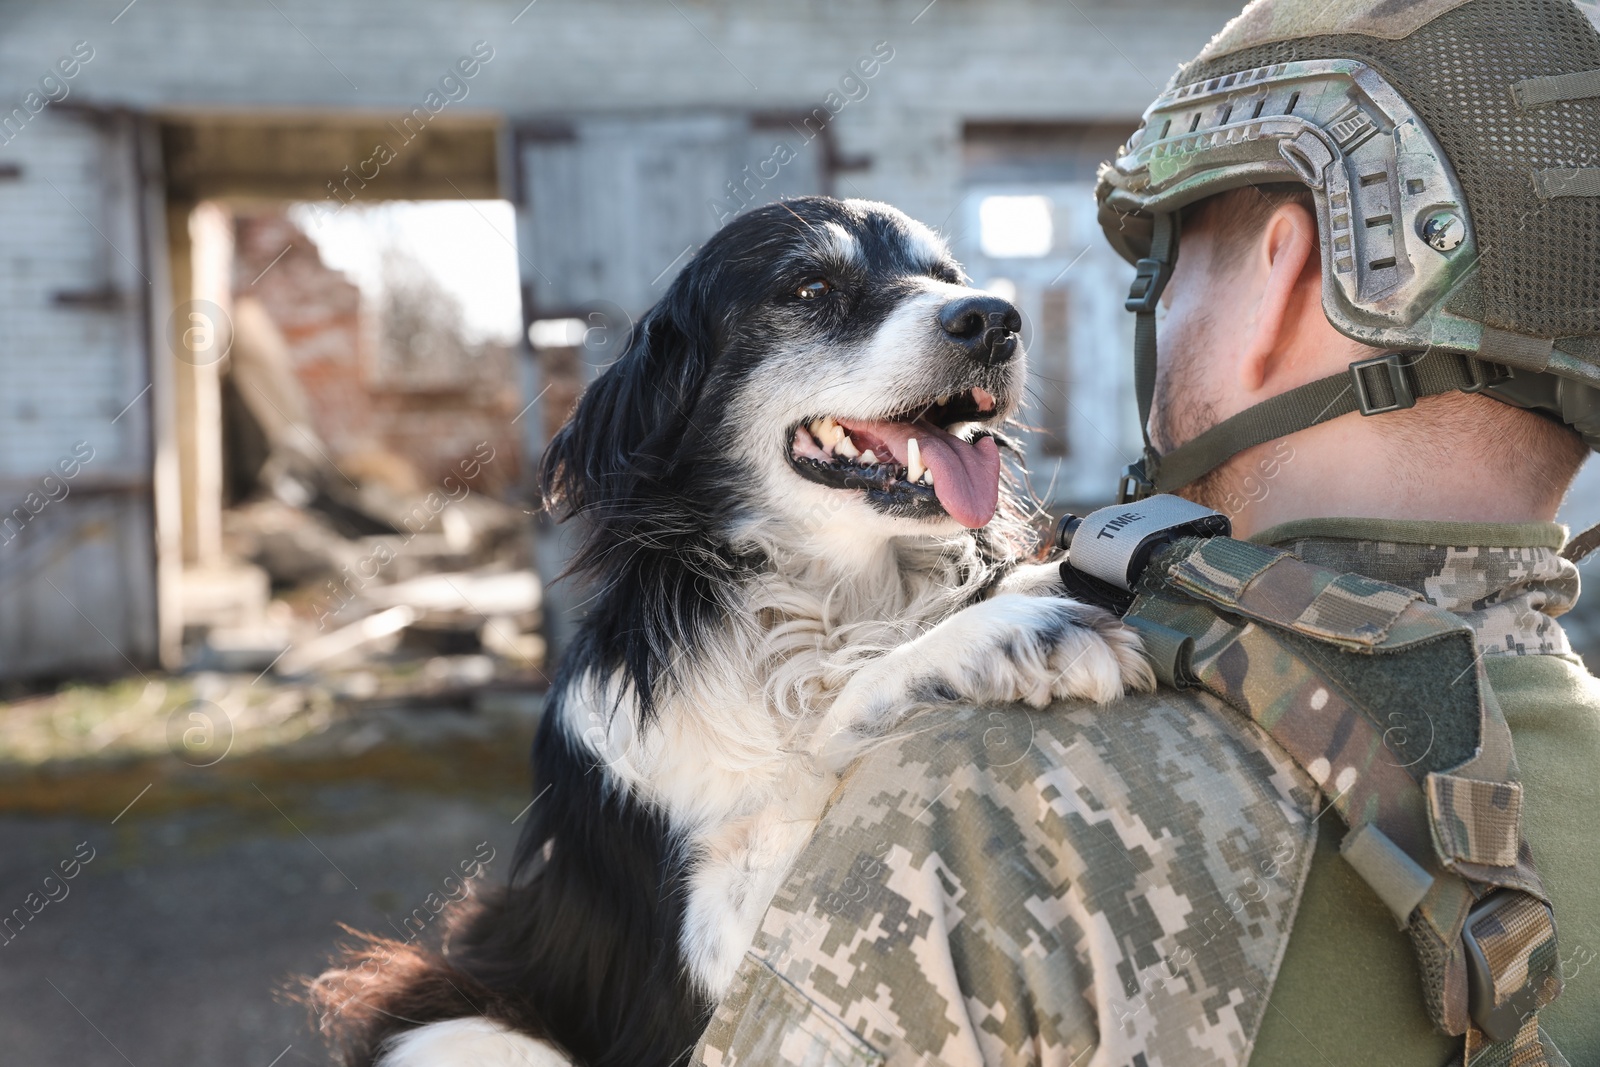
<point x="1380" y="697"/>
<point x="1556" y="88"/>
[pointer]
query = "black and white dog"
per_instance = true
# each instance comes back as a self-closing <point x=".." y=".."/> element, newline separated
<point x="797" y="531"/>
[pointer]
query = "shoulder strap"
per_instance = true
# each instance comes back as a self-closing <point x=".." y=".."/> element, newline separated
<point x="1380" y="697"/>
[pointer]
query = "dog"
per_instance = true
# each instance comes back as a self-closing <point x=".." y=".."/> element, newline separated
<point x="797" y="531"/>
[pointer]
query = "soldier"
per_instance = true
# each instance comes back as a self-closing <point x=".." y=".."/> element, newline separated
<point x="1381" y="356"/>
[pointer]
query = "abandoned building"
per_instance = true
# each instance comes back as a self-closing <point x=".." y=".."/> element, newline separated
<point x="156" y="289"/>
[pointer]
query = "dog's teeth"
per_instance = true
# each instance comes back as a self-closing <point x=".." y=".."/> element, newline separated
<point x="868" y="458"/>
<point x="846" y="447"/>
<point x="927" y="476"/>
<point x="827" y="433"/>
<point x="943" y="400"/>
<point x="914" y="466"/>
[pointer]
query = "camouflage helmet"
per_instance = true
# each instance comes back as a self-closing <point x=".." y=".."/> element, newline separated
<point x="1452" y="148"/>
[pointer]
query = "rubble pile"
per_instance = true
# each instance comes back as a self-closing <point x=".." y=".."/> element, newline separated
<point x="384" y="590"/>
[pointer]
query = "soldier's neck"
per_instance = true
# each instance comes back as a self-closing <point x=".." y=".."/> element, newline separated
<point x="1347" y="467"/>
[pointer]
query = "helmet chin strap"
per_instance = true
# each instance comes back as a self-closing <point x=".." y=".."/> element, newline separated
<point x="1392" y="381"/>
<point x="1151" y="275"/>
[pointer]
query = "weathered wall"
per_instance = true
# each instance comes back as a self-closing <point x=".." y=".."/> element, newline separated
<point x="71" y="215"/>
<point x="953" y="60"/>
<point x="77" y="560"/>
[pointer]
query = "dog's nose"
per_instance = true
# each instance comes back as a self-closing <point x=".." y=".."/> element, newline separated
<point x="984" y="325"/>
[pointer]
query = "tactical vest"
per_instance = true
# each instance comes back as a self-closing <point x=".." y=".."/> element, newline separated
<point x="1381" y="698"/>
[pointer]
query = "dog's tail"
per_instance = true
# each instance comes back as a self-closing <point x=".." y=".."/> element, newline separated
<point x="577" y="948"/>
<point x="378" y="987"/>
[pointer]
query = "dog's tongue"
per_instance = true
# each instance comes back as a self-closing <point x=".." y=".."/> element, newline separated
<point x="966" y="475"/>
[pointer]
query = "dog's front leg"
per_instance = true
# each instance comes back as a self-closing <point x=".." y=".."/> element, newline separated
<point x="1033" y="579"/>
<point x="1014" y="647"/>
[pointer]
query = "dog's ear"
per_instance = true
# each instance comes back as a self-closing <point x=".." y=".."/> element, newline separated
<point x="633" y="422"/>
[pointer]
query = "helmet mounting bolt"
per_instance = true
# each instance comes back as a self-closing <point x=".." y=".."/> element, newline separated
<point x="1443" y="230"/>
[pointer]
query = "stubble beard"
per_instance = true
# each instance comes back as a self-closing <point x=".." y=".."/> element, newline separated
<point x="1184" y="411"/>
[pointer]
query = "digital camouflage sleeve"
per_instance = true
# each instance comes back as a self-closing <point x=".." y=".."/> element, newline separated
<point x="1115" y="886"/>
<point x="1086" y="885"/>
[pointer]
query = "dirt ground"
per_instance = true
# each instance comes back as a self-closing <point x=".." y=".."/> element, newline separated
<point x="200" y="894"/>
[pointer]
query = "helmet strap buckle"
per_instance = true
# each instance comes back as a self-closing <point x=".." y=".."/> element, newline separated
<point x="1135" y="483"/>
<point x="1150" y="278"/>
<point x="1482" y="374"/>
<point x="1394" y="374"/>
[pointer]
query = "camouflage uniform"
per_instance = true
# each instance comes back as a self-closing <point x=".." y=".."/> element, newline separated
<point x="1113" y="886"/>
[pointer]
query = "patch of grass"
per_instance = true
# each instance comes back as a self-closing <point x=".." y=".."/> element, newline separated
<point x="220" y="740"/>
<point x="136" y="717"/>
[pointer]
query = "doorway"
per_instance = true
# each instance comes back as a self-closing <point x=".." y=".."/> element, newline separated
<point x="347" y="372"/>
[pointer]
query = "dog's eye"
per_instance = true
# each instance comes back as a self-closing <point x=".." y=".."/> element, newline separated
<point x="815" y="288"/>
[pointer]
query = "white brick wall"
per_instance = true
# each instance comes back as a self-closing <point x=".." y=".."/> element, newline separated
<point x="1025" y="56"/>
<point x="961" y="58"/>
<point x="77" y="579"/>
<point x="65" y="372"/>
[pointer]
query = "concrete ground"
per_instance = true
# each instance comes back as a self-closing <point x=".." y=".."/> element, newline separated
<point x="204" y="901"/>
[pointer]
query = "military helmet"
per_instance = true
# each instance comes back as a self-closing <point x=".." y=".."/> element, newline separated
<point x="1452" y="148"/>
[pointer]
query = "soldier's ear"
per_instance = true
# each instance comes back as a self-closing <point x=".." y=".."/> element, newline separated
<point x="1280" y="278"/>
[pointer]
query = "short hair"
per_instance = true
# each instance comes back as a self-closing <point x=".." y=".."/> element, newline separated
<point x="1441" y="427"/>
<point x="1240" y="215"/>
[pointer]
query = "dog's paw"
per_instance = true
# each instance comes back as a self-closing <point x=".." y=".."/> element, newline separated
<point x="1035" y="649"/>
<point x="1013" y="648"/>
